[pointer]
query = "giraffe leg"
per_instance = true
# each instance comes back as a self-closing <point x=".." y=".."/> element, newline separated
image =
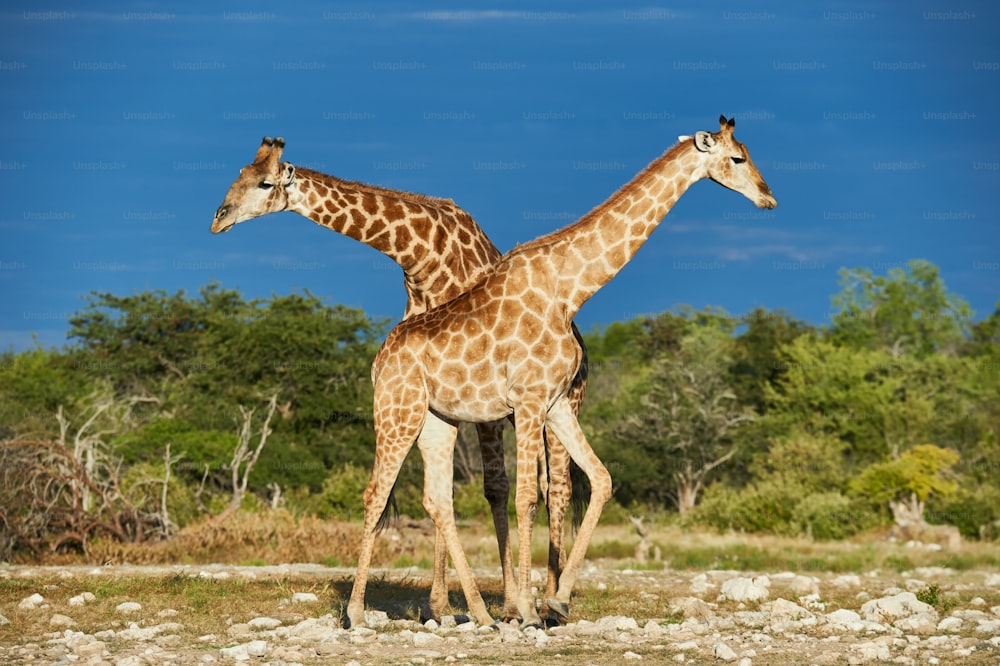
<point x="529" y="433"/>
<point x="496" y="489"/>
<point x="437" y="446"/>
<point x="561" y="488"/>
<point x="557" y="500"/>
<point x="564" y="424"/>
<point x="398" y="417"/>
<point x="439" y="584"/>
<point x="376" y="496"/>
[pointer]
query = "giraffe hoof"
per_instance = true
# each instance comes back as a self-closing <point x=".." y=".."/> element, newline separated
<point x="558" y="610"/>
<point x="552" y="620"/>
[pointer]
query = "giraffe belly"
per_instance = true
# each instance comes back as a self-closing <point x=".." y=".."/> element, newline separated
<point x="469" y="405"/>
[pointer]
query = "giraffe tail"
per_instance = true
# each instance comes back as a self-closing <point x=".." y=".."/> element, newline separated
<point x="579" y="496"/>
<point x="389" y="514"/>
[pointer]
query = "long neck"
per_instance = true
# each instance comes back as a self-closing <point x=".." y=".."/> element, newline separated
<point x="590" y="252"/>
<point x="440" y="248"/>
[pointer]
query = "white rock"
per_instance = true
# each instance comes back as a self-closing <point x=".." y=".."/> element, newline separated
<point x="617" y="623"/>
<point x="845" y="618"/>
<point x="691" y="607"/>
<point x="128" y="607"/>
<point x="950" y="624"/>
<point x="4" y="620"/>
<point x="919" y="623"/>
<point x="865" y="652"/>
<point x="303" y="597"/>
<point x="652" y="629"/>
<point x="376" y="619"/>
<point x="425" y="639"/>
<point x="813" y="602"/>
<point x="257" y="648"/>
<point x="784" y="609"/>
<point x="745" y="589"/>
<point x="32" y="602"/>
<point x="58" y="620"/>
<point x="632" y="655"/>
<point x="803" y="585"/>
<point x="934" y="572"/>
<point x="89" y="650"/>
<point x="700" y="584"/>
<point x="724" y="652"/>
<point x="897" y="606"/>
<point x="993" y="580"/>
<point x="263" y="623"/>
<point x="237" y="652"/>
<point x="136" y="633"/>
<point x="846" y="580"/>
<point x="81" y="599"/>
<point x="988" y="627"/>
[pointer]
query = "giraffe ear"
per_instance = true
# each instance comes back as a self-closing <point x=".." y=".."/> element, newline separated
<point x="287" y="174"/>
<point x="704" y="142"/>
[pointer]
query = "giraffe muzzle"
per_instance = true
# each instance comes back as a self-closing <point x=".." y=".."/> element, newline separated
<point x="219" y="225"/>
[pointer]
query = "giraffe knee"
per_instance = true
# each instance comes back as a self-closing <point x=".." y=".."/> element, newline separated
<point x="600" y="486"/>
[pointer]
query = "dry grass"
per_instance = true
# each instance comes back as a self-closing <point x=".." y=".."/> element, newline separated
<point x="275" y="537"/>
<point x="209" y="606"/>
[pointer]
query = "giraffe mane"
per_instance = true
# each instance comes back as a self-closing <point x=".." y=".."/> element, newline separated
<point x="412" y="197"/>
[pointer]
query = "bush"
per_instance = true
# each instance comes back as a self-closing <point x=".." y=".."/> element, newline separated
<point x="973" y="510"/>
<point x="342" y="494"/>
<point x="830" y="515"/>
<point x="471" y="504"/>
<point x="763" y="507"/>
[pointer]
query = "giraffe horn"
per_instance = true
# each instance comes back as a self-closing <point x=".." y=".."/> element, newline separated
<point x="277" y="149"/>
<point x="265" y="148"/>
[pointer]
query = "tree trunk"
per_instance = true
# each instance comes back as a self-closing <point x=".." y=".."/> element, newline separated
<point x="687" y="495"/>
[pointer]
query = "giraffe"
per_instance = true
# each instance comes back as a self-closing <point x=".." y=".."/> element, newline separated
<point x="505" y="347"/>
<point x="443" y="252"/>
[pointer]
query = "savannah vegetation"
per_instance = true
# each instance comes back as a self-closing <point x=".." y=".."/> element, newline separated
<point x="167" y="414"/>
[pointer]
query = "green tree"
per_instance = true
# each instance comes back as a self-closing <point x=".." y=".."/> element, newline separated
<point x="907" y="311"/>
<point x="907" y="482"/>
<point x="684" y="425"/>
<point x="203" y="358"/>
<point x="757" y="353"/>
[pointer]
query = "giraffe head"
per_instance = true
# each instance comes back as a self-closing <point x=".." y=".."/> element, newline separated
<point x="260" y="188"/>
<point x="728" y="163"/>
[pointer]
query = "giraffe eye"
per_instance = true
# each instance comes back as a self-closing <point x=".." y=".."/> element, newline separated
<point x="264" y="185"/>
<point x="738" y="160"/>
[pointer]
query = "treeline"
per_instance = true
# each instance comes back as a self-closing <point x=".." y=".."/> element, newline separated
<point x="167" y="408"/>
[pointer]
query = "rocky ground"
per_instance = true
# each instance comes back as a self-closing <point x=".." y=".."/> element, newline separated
<point x="708" y="617"/>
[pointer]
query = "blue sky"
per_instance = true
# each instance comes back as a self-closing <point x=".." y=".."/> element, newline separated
<point x="124" y="125"/>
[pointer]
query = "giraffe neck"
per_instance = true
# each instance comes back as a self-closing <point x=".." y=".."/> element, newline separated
<point x="440" y="248"/>
<point x="587" y="254"/>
